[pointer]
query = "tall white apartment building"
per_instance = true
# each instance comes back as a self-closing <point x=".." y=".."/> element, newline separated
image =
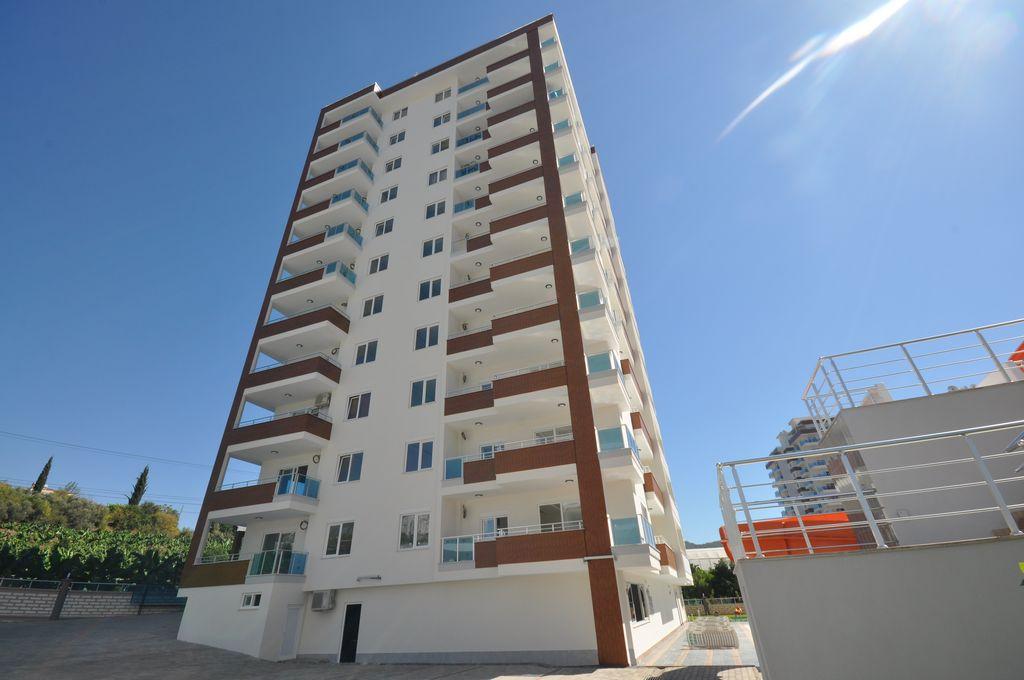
<point x="795" y="478"/>
<point x="459" y="457"/>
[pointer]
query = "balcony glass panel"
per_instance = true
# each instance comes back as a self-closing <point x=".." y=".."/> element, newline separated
<point x="357" y="163"/>
<point x="580" y="245"/>
<point x="474" y="84"/>
<point x="354" y="195"/>
<point x="547" y="43"/>
<point x="632" y="531"/>
<point x="277" y="562"/>
<point x="610" y="439"/>
<point x="471" y="110"/>
<point x="355" y="138"/>
<point x="591" y="298"/>
<point x="562" y="125"/>
<point x="345" y="228"/>
<point x="556" y="94"/>
<point x="468" y="170"/>
<point x="453" y="468"/>
<point x="464" y="205"/>
<point x="469" y="138"/>
<point x="300" y="485"/>
<point x="597" y="363"/>
<point x="567" y="160"/>
<point x="573" y="199"/>
<point x="361" y="112"/>
<point x="554" y="66"/>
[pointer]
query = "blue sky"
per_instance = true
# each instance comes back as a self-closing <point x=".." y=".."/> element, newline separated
<point x="151" y="150"/>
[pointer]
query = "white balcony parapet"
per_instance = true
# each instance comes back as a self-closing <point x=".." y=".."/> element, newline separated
<point x="913" y="368"/>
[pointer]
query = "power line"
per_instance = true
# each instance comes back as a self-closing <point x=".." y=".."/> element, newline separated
<point x="94" y="449"/>
<point x="113" y="493"/>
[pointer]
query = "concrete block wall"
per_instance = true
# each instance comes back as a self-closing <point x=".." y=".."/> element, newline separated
<point x="26" y="602"/>
<point x="39" y="603"/>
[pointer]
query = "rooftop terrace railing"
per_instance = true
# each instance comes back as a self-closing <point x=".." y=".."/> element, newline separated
<point x="915" y="368"/>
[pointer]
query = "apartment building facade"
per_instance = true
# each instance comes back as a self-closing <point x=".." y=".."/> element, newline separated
<point x="458" y="454"/>
<point x="795" y="478"/>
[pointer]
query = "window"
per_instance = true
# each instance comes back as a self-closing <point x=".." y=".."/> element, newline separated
<point x="350" y="467"/>
<point x="435" y="209"/>
<point x="366" y="353"/>
<point x="385" y="227"/>
<point x="379" y="263"/>
<point x="389" y="194"/>
<point x="429" y="289"/>
<point x="442" y="95"/>
<point x="374" y="305"/>
<point x="639" y="602"/>
<point x="400" y="113"/>
<point x="339" y="539"/>
<point x="359" y="406"/>
<point x="423" y="392"/>
<point x="414" y="531"/>
<point x="397" y="137"/>
<point x="555" y="516"/>
<point x="251" y="600"/>
<point x="393" y="164"/>
<point x="494" y="525"/>
<point x="437" y="176"/>
<point x="419" y="456"/>
<point x="426" y="336"/>
<point x="432" y="246"/>
<point x="443" y="118"/>
<point x="439" y="146"/>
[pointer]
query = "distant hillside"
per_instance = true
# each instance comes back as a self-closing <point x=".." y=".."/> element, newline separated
<point x="709" y="544"/>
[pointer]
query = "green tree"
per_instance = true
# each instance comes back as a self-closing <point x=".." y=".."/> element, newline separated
<point x="139" y="490"/>
<point x="68" y="509"/>
<point x="22" y="505"/>
<point x="41" y="479"/>
<point x="144" y="518"/>
<point x="723" y="580"/>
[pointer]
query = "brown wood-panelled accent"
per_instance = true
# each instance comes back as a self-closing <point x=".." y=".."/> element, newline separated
<point x="534" y="457"/>
<point x="329" y="127"/>
<point x="471" y="401"/>
<point x="468" y="290"/>
<point x="478" y="242"/>
<point x="604" y="592"/>
<point x="510" y="59"/>
<point x="651" y="486"/>
<point x="482" y="202"/>
<point x="326" y="151"/>
<point x="667" y="555"/>
<point x="525" y="319"/>
<point x="217" y="574"/>
<point x="485" y="165"/>
<point x="311" y="210"/>
<point x="474" y="471"/>
<point x="485" y="554"/>
<point x="328" y="314"/>
<point x="294" y="370"/>
<point x="308" y="242"/>
<point x="512" y="145"/>
<point x="529" y="382"/>
<point x="470" y="341"/>
<point x="304" y="422"/>
<point x="297" y="281"/>
<point x="556" y="545"/>
<point x="510" y="113"/>
<point x="627" y="366"/>
<point x="319" y="179"/>
<point x="523" y="264"/>
<point x="515" y="180"/>
<point x="638" y="423"/>
<point x="520" y="218"/>
<point x="259" y="331"/>
<point x="242" y="496"/>
<point x="510" y="85"/>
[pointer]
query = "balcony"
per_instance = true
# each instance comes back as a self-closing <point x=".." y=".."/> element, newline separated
<point x="222" y="570"/>
<point x="518" y="117"/>
<point x="469" y="87"/>
<point x="655" y="496"/>
<point x="277" y="563"/>
<point x="325" y="285"/>
<point x="504" y="386"/>
<point x="284" y="434"/>
<point x="469" y="112"/>
<point x="514" y="466"/>
<point x="644" y="438"/>
<point x="618" y="454"/>
<point x="286" y="496"/>
<point x="340" y="242"/>
<point x="347" y="206"/>
<point x="297" y="380"/>
<point x="633" y="544"/>
<point x="312" y="331"/>
<point x="609" y="385"/>
<point x="361" y="145"/>
<point x="515" y="545"/>
<point x="355" y="173"/>
<point x="667" y="557"/>
<point x="365" y="120"/>
<point x="535" y="316"/>
<point x="598" y="319"/>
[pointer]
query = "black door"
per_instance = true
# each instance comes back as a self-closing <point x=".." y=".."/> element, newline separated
<point x="350" y="633"/>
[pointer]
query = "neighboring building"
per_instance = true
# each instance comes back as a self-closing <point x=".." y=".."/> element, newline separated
<point x="459" y="455"/>
<point x="796" y="478"/>
<point x="706" y="558"/>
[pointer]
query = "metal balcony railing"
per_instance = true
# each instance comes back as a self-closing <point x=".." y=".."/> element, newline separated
<point x="317" y="411"/>
<point x="461" y="548"/>
<point x="453" y="466"/>
<point x="504" y="374"/>
<point x="473" y="85"/>
<point x="276" y="364"/>
<point x="269" y="562"/>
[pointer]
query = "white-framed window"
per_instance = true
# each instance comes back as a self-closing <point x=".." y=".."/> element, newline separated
<point x="433" y="246"/>
<point x="435" y="209"/>
<point x="639" y="602"/>
<point x="419" y="456"/>
<point x="350" y="467"/>
<point x="251" y="600"/>
<point x="396" y="138"/>
<point x="358" y="406"/>
<point x="339" y="539"/>
<point x="400" y="113"/>
<point x="393" y="164"/>
<point x="445" y="117"/>
<point x="414" y="531"/>
<point x="366" y="353"/>
<point x="379" y="263"/>
<point x="429" y="289"/>
<point x="374" y="305"/>
<point x="385" y="226"/>
<point x="423" y="392"/>
<point x="442" y="95"/>
<point x="427" y="336"/>
<point x="439" y="146"/>
<point x="389" y="194"/>
<point x="437" y="176"/>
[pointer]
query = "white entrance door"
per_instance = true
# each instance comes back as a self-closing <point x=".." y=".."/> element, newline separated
<point x="290" y="641"/>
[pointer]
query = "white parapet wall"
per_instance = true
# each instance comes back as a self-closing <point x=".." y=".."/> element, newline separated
<point x="939" y="612"/>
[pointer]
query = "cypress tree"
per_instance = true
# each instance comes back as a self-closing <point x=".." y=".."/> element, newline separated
<point x="139" y="489"/>
<point x="41" y="479"/>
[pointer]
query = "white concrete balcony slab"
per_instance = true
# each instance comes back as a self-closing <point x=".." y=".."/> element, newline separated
<point x="348" y="206"/>
<point x="342" y="242"/>
<point x="359" y="146"/>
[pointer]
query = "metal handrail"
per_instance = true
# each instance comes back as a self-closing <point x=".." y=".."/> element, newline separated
<point x="512" y="446"/>
<point x="525" y="308"/>
<point x="499" y="376"/>
<point x="317" y="411"/>
<point x="277" y="364"/>
<point x="526" y="530"/>
<point x="217" y="559"/>
<point x="336" y="308"/>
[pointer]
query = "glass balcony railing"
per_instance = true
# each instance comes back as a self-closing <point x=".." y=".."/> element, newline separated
<point x="598" y="363"/>
<point x="547" y="43"/>
<point x="341" y="269"/>
<point x="363" y="112"/>
<point x="616" y="439"/>
<point x="632" y="531"/>
<point x="568" y="160"/>
<point x="562" y="125"/>
<point x="471" y="110"/>
<point x="473" y="85"/>
<point x="464" y="205"/>
<point x="298" y="485"/>
<point x="469" y="139"/>
<point x="581" y="245"/>
<point x="573" y="199"/>
<point x="453" y="466"/>
<point x="270" y="562"/>
<point x="354" y="195"/>
<point x="552" y="67"/>
<point x="556" y="94"/>
<point x="345" y="228"/>
<point x="467" y="170"/>
<point x="456" y="549"/>
<point x="591" y="298"/>
<point x="353" y="164"/>
<point x="355" y="138"/>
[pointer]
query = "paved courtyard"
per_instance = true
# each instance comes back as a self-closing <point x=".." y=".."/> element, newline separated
<point x="144" y="647"/>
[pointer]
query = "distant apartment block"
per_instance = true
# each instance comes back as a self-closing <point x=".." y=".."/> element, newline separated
<point x="795" y="478"/>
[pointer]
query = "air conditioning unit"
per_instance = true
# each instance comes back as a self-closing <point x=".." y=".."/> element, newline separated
<point x="323" y="600"/>
<point x="323" y="400"/>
